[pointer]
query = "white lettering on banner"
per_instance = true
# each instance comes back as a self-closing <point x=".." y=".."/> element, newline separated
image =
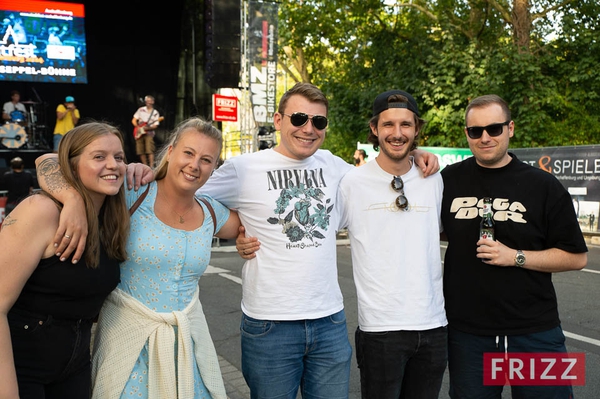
<point x="57" y="11"/>
<point x="21" y="53"/>
<point x="259" y="93"/>
<point x="53" y="16"/>
<point x="226" y="102"/>
<point x="271" y="38"/>
<point x="271" y="86"/>
<point x="15" y="50"/>
<point x="576" y="166"/>
<point x="46" y="71"/>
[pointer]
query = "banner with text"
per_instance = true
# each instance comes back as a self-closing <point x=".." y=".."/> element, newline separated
<point x="224" y="108"/>
<point x="262" y="57"/>
<point x="42" y="41"/>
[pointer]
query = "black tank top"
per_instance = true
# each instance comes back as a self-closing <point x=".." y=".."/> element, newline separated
<point x="67" y="291"/>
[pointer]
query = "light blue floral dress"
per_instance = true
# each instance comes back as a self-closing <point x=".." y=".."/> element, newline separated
<point x="162" y="271"/>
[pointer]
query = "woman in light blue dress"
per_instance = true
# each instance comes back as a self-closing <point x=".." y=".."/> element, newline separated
<point x="152" y="339"/>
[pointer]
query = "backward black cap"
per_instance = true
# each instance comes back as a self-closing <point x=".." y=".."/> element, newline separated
<point x="381" y="102"/>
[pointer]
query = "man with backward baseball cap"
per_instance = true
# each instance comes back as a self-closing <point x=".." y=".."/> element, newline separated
<point x="67" y="117"/>
<point x="393" y="217"/>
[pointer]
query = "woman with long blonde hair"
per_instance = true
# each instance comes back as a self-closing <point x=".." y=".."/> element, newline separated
<point x="152" y="329"/>
<point x="47" y="306"/>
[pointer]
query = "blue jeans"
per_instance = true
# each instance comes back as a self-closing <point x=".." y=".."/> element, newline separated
<point x="56" y="141"/>
<point x="465" y="363"/>
<point x="401" y="364"/>
<point x="278" y="357"/>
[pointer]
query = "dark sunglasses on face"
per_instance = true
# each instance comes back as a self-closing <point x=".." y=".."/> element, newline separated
<point x="299" y="119"/>
<point x="494" y="130"/>
<point x="398" y="186"/>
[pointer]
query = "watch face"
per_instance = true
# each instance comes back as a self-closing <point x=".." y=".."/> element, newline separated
<point x="520" y="259"/>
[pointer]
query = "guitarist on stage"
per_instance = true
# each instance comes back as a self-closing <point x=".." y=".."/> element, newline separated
<point x="145" y="121"/>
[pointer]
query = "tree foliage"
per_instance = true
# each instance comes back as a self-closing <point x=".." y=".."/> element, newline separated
<point x="542" y="58"/>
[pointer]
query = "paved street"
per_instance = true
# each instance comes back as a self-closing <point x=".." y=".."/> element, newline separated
<point x="579" y="299"/>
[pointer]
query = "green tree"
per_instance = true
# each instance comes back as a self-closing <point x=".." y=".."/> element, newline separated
<point x="541" y="58"/>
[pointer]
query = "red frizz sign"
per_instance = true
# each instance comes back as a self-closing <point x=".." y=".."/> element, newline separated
<point x="225" y="108"/>
<point x="534" y="369"/>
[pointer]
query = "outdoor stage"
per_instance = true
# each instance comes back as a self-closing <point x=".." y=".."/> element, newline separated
<point x="27" y="142"/>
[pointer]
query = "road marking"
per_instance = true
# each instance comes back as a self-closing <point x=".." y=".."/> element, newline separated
<point x="215" y="270"/>
<point x="582" y="338"/>
<point x="223" y="273"/>
<point x="590" y="271"/>
<point x="232" y="278"/>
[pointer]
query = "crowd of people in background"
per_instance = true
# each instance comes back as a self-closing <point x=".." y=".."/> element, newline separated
<point x="123" y="247"/>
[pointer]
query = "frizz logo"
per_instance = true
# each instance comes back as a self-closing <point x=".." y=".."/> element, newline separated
<point x="534" y="369"/>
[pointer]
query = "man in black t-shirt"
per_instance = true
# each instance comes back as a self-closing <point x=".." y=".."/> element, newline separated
<point x="499" y="295"/>
<point x="18" y="182"/>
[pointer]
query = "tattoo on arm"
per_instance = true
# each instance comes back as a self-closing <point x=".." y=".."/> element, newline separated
<point x="49" y="170"/>
<point x="8" y="221"/>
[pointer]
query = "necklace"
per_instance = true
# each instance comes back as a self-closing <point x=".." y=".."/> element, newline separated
<point x="181" y="220"/>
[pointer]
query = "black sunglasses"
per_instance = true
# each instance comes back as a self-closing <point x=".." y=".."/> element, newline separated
<point x="300" y="118"/>
<point x="398" y="186"/>
<point x="494" y="130"/>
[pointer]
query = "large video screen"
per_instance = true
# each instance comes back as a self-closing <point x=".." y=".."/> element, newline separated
<point x="42" y="41"/>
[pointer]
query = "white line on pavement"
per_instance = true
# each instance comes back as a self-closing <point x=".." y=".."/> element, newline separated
<point x="224" y="273"/>
<point x="590" y="271"/>
<point x="215" y="270"/>
<point x="582" y="338"/>
<point x="232" y="278"/>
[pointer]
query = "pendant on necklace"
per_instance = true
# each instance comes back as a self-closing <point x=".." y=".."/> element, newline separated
<point x="181" y="219"/>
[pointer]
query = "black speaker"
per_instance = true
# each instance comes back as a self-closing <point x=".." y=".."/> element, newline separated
<point x="222" y="34"/>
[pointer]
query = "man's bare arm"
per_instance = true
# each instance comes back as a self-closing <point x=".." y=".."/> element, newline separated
<point x="427" y="161"/>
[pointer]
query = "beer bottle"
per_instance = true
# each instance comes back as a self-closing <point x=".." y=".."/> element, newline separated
<point x="486" y="226"/>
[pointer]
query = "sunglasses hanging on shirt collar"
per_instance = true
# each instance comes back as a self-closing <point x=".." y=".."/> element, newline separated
<point x="398" y="186"/>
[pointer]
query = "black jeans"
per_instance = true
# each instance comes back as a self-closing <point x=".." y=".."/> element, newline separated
<point x="401" y="364"/>
<point x="52" y="357"/>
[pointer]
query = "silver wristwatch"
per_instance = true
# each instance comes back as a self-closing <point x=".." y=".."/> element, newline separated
<point x="519" y="258"/>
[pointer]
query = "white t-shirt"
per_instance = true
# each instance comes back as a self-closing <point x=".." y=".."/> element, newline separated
<point x="395" y="254"/>
<point x="149" y="117"/>
<point x="290" y="206"/>
<point x="9" y="107"/>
